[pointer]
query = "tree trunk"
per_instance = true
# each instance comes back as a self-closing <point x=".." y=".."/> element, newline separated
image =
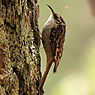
<point x="19" y="47"/>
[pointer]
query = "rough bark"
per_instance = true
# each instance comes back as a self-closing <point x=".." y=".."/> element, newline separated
<point x="19" y="47"/>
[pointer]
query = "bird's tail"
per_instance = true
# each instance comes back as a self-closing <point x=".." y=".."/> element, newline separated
<point x="44" y="76"/>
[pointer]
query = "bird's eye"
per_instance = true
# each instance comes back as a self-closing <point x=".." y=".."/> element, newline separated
<point x="55" y="16"/>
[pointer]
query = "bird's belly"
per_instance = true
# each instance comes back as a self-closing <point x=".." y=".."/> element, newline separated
<point x="46" y="44"/>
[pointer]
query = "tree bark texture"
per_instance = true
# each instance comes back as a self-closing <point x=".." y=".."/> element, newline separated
<point x="19" y="47"/>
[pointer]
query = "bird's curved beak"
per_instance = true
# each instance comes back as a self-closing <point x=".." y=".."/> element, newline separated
<point x="50" y="8"/>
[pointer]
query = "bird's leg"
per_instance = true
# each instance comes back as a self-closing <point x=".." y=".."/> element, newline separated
<point x="38" y="34"/>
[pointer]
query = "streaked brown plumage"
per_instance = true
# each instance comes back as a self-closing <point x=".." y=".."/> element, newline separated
<point x="53" y="37"/>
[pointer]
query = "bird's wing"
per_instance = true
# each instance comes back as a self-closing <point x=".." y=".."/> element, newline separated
<point x="57" y="38"/>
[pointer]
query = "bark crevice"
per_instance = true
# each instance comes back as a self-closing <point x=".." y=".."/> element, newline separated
<point x="19" y="47"/>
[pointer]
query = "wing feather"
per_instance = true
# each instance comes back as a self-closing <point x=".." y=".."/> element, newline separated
<point x="57" y="38"/>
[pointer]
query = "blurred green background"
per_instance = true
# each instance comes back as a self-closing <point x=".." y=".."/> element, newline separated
<point x="76" y="72"/>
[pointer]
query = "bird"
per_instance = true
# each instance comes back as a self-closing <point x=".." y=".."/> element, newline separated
<point x="53" y="37"/>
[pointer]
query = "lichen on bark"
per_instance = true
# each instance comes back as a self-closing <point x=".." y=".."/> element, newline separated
<point x="19" y="47"/>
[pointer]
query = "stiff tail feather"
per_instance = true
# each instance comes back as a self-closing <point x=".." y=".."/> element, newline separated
<point x="44" y="76"/>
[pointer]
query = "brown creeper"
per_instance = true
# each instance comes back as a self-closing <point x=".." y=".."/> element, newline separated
<point x="53" y="37"/>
